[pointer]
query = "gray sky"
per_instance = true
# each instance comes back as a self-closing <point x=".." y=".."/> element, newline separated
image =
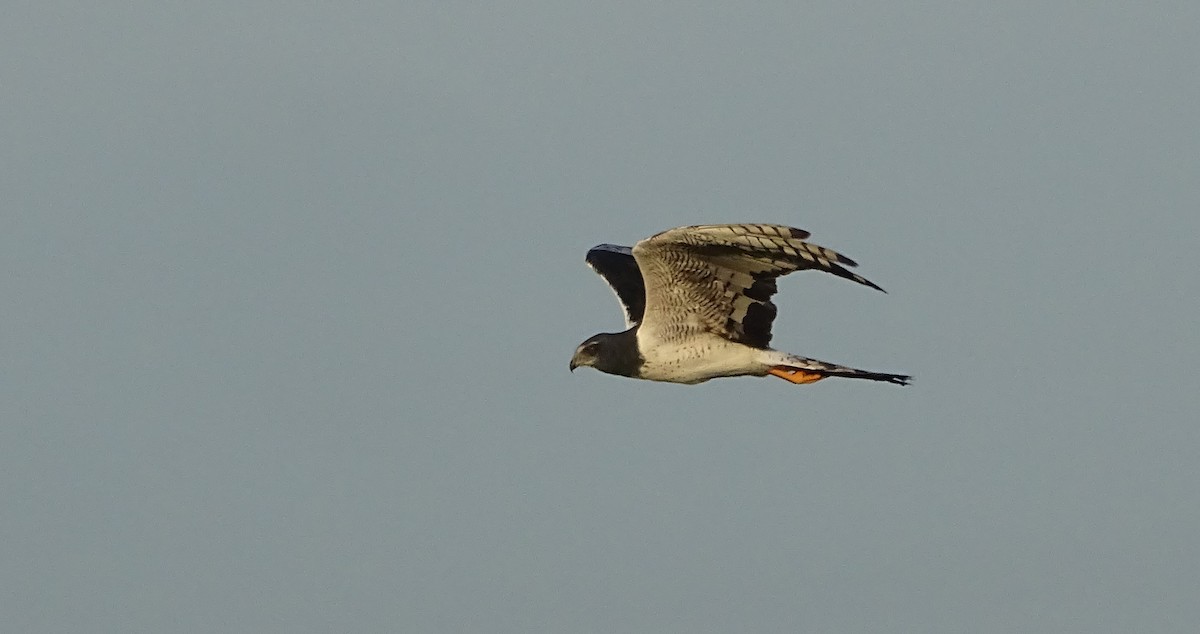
<point x="290" y="292"/>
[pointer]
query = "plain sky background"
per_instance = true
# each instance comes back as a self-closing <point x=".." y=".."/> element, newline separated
<point x="289" y="292"/>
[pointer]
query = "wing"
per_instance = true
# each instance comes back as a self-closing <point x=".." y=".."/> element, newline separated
<point x="720" y="278"/>
<point x="618" y="267"/>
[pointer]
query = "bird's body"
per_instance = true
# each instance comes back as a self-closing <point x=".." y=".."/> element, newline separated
<point x="698" y="305"/>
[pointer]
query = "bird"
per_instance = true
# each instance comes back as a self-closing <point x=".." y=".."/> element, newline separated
<point x="697" y="303"/>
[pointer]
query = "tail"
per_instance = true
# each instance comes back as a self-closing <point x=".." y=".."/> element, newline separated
<point x="816" y="370"/>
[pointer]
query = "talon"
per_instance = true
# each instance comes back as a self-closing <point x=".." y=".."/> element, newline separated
<point x="795" y="375"/>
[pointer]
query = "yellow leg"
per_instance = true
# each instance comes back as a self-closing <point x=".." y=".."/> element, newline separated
<point x="795" y="375"/>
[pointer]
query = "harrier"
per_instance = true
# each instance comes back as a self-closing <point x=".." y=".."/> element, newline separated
<point x="698" y="305"/>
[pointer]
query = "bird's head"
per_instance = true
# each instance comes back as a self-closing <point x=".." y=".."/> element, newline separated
<point x="614" y="353"/>
<point x="589" y="352"/>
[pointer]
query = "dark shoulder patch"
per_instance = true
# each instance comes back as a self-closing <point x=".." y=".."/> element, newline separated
<point x="756" y="326"/>
<point x="762" y="289"/>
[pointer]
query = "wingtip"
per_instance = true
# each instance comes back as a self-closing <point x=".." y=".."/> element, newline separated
<point x="611" y="248"/>
<point x="865" y="282"/>
<point x="603" y="251"/>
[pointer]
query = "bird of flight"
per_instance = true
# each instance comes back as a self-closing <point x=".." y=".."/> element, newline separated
<point x="698" y="305"/>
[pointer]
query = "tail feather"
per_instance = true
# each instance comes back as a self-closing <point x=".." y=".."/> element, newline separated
<point x="832" y="369"/>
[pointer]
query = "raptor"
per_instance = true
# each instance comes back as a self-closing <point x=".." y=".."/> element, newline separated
<point x="697" y="304"/>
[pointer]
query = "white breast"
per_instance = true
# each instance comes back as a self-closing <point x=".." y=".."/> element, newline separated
<point x="698" y="359"/>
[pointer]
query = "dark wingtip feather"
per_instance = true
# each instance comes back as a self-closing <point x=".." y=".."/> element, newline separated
<point x="798" y="234"/>
<point x="607" y="248"/>
<point x="845" y="260"/>
<point x="616" y="264"/>
<point x="873" y="285"/>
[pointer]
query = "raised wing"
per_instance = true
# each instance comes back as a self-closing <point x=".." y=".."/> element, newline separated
<point x="618" y="267"/>
<point x="720" y="278"/>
